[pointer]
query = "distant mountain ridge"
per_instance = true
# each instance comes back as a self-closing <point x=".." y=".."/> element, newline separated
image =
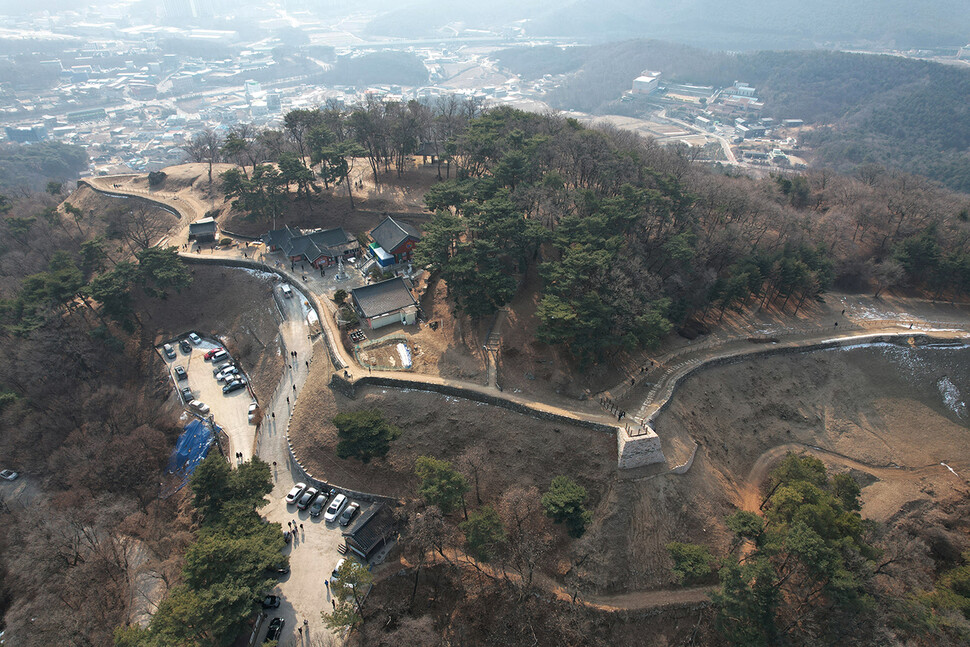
<point x="739" y="25"/>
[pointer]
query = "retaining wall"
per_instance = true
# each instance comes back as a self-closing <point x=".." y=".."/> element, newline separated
<point x="199" y="259"/>
<point x="900" y="339"/>
<point x="130" y="196"/>
<point x="878" y="338"/>
<point x="349" y="388"/>
<point x="320" y="484"/>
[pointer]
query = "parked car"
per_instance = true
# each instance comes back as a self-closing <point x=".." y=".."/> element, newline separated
<point x="180" y="373"/>
<point x="280" y="569"/>
<point x="185" y="346"/>
<point x="275" y="629"/>
<point x="318" y="504"/>
<point x="220" y="356"/>
<point x="199" y="406"/>
<point x="169" y="351"/>
<point x="349" y="513"/>
<point x="271" y="602"/>
<point x="9" y="475"/>
<point x="233" y="386"/>
<point x="195" y="339"/>
<point x="253" y="408"/>
<point x="336" y="506"/>
<point x="209" y="354"/>
<point x="295" y="493"/>
<point x="286" y="290"/>
<point x="226" y="372"/>
<point x="221" y="367"/>
<point x="336" y="569"/>
<point x="304" y="502"/>
<point x="187" y="394"/>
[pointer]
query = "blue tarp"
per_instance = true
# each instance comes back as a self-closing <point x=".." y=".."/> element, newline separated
<point x="192" y="447"/>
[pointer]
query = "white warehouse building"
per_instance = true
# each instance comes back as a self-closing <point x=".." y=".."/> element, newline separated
<point x="646" y="83"/>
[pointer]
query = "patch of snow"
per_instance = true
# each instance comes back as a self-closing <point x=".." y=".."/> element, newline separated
<point x="951" y="397"/>
<point x="259" y="274"/>
<point x="405" y="354"/>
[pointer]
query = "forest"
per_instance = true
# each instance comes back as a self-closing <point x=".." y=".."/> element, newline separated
<point x="630" y="239"/>
<point x="901" y="113"/>
<point x="80" y="418"/>
<point x="30" y="168"/>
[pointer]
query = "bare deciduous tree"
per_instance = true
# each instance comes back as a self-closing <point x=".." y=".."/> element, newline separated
<point x="205" y="147"/>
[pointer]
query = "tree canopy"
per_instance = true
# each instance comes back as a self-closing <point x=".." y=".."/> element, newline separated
<point x="564" y="502"/>
<point x="441" y="485"/>
<point x="364" y="434"/>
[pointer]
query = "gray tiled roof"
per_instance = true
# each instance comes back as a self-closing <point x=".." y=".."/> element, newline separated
<point x="329" y="242"/>
<point x="375" y="527"/>
<point x="382" y="298"/>
<point x="203" y="226"/>
<point x="391" y="233"/>
<point x="277" y="237"/>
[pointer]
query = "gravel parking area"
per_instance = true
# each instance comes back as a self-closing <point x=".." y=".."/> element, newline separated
<point x="313" y="556"/>
<point x="230" y="411"/>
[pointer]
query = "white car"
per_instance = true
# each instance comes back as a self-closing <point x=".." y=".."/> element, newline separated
<point x="9" y="475"/>
<point x="336" y="569"/>
<point x="199" y="406"/>
<point x="227" y="374"/>
<point x="195" y="339"/>
<point x="252" y="412"/>
<point x="295" y="493"/>
<point x="335" y="508"/>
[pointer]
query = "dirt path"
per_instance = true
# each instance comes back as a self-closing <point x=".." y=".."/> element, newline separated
<point x="751" y="496"/>
<point x="634" y="601"/>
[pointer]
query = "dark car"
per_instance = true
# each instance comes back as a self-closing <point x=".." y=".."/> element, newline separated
<point x="180" y="373"/>
<point x="187" y="394"/>
<point x="281" y="570"/>
<point x="306" y="498"/>
<point x="348" y="514"/>
<point x="233" y="386"/>
<point x="271" y="602"/>
<point x="185" y="346"/>
<point x="275" y="629"/>
<point x="319" y="503"/>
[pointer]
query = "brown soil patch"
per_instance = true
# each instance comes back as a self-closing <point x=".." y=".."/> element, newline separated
<point x="879" y="413"/>
<point x="529" y="366"/>
<point x="521" y="450"/>
<point x="233" y="305"/>
<point x="402" y="198"/>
